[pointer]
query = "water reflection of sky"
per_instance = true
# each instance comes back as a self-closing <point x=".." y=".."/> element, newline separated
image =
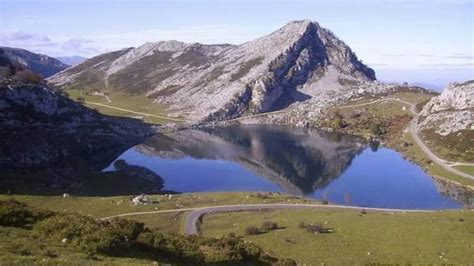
<point x="364" y="178"/>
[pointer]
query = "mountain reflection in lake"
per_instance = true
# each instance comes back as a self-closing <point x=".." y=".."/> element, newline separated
<point x="318" y="164"/>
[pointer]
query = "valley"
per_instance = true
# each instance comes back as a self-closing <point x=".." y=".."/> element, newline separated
<point x="282" y="150"/>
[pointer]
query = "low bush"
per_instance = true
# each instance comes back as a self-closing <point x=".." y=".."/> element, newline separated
<point x="197" y="249"/>
<point x="314" y="228"/>
<point x="18" y="214"/>
<point x="90" y="235"/>
<point x="252" y="230"/>
<point x="268" y="226"/>
<point x="119" y="237"/>
<point x="302" y="225"/>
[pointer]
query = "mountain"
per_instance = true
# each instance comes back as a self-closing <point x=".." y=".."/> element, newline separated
<point x="300" y="62"/>
<point x="42" y="128"/>
<point x="446" y="122"/>
<point x="451" y="111"/>
<point x="71" y="60"/>
<point x="41" y="64"/>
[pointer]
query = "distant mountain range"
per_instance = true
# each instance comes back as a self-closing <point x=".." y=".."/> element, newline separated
<point x="71" y="60"/>
<point x="39" y="63"/>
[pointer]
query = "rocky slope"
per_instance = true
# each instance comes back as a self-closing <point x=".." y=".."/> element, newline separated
<point x="301" y="62"/>
<point x="40" y="128"/>
<point x="451" y="111"/>
<point x="40" y="64"/>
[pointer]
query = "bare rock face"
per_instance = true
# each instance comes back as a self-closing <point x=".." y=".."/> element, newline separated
<point x="301" y="62"/>
<point x="41" y="64"/>
<point x="451" y="111"/>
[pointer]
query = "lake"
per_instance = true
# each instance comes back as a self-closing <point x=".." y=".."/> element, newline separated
<point x="305" y="162"/>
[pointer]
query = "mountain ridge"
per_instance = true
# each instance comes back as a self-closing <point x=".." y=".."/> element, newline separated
<point x="215" y="82"/>
<point x="41" y="64"/>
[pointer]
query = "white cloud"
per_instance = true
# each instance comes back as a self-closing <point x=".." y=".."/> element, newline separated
<point x="91" y="45"/>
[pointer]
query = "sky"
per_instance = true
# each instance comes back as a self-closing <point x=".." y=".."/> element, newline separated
<point x="419" y="41"/>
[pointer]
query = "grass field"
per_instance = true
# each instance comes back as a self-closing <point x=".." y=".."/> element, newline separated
<point x="136" y="103"/>
<point x="465" y="168"/>
<point x="401" y="238"/>
<point x="440" y="237"/>
<point x="108" y="206"/>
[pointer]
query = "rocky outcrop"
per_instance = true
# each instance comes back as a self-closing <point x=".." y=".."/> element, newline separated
<point x="301" y="62"/>
<point x="39" y="63"/>
<point x="451" y="111"/>
<point x="42" y="128"/>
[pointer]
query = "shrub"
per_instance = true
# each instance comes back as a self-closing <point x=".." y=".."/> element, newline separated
<point x="28" y="76"/>
<point x="260" y="195"/>
<point x="315" y="228"/>
<point x="268" y="226"/>
<point x="18" y="214"/>
<point x="252" y="230"/>
<point x="90" y="235"/>
<point x="127" y="229"/>
<point x="302" y="225"/>
<point x="80" y="99"/>
<point x="376" y="129"/>
<point x="337" y="121"/>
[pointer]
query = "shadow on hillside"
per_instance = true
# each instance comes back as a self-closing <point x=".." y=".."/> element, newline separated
<point x="131" y="180"/>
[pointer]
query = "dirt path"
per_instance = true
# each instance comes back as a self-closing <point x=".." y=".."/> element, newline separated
<point x="192" y="218"/>
<point x="134" y="112"/>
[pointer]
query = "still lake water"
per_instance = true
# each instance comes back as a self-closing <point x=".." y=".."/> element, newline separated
<point x="298" y="161"/>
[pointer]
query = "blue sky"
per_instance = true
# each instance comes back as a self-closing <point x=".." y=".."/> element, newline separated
<point x="388" y="35"/>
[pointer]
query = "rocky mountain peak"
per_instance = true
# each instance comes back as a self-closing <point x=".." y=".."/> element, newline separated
<point x="299" y="62"/>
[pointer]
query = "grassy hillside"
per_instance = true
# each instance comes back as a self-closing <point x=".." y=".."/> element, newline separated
<point x="31" y="235"/>
<point x="354" y="237"/>
<point x="146" y="109"/>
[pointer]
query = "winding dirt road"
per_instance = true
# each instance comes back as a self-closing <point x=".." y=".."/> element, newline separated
<point x="134" y="112"/>
<point x="192" y="218"/>
<point x="194" y="214"/>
